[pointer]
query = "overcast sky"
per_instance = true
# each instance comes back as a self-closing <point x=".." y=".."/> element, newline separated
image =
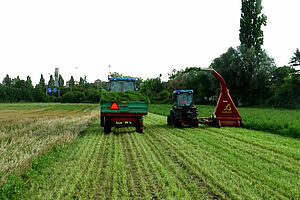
<point x="136" y="37"/>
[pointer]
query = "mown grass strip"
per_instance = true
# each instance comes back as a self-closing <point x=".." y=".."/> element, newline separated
<point x="213" y="140"/>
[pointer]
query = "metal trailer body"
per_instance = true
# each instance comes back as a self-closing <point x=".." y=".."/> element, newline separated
<point x="124" y="113"/>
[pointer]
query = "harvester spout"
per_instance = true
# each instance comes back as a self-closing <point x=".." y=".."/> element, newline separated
<point x="225" y="112"/>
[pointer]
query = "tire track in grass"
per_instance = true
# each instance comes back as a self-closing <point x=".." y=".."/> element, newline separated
<point x="239" y="165"/>
<point x="289" y="147"/>
<point x="188" y="181"/>
<point x="188" y="162"/>
<point x="135" y="170"/>
<point x="172" y="188"/>
<point x="108" y="170"/>
<point x="83" y="185"/>
<point x="269" y="157"/>
<point x="241" y="161"/>
<point x="184" y="133"/>
<point x="238" y="180"/>
<point x="77" y="170"/>
<point x="133" y="192"/>
<point x="100" y="165"/>
<point x="149" y="169"/>
<point x="50" y="181"/>
<point x="120" y="189"/>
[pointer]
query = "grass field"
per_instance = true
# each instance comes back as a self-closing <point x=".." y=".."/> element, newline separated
<point x="29" y="130"/>
<point x="163" y="163"/>
<point x="279" y="121"/>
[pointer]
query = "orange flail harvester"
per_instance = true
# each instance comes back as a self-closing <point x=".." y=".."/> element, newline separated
<point x="185" y="112"/>
<point x="225" y="113"/>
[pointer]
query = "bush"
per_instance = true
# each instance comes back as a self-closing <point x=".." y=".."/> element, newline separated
<point x="73" y="97"/>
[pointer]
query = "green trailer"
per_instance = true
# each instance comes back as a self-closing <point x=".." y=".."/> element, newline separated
<point x="121" y="113"/>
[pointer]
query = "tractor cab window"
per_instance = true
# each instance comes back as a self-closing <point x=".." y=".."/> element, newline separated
<point x="184" y="99"/>
<point x="121" y="86"/>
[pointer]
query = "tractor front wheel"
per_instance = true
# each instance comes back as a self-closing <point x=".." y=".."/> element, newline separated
<point x="170" y="119"/>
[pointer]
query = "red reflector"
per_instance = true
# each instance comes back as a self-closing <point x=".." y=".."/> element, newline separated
<point x="114" y="106"/>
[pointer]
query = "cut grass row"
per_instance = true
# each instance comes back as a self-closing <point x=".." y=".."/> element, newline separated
<point x="165" y="163"/>
<point x="279" y="121"/>
<point x="29" y="130"/>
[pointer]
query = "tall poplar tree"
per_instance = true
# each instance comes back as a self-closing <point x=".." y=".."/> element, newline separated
<point x="251" y="35"/>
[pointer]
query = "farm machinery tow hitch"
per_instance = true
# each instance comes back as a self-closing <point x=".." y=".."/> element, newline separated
<point x="185" y="112"/>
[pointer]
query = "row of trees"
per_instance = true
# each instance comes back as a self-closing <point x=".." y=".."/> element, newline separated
<point x="251" y="75"/>
<point x="17" y="90"/>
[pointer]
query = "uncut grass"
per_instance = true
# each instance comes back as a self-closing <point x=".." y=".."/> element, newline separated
<point x="280" y="121"/>
<point x="168" y="163"/>
<point x="25" y="134"/>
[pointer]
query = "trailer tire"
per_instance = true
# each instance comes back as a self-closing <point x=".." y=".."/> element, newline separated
<point x="107" y="125"/>
<point x="139" y="125"/>
<point x="102" y="118"/>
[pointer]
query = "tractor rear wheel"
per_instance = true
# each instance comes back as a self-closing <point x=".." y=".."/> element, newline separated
<point x="107" y="125"/>
<point x="177" y="119"/>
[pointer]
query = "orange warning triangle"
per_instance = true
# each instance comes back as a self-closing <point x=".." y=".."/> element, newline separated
<point x="114" y="106"/>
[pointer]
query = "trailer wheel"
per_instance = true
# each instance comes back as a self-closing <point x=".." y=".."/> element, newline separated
<point x="139" y="125"/>
<point x="102" y="121"/>
<point x="107" y="125"/>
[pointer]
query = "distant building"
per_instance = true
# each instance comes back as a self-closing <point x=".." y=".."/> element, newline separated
<point x="98" y="82"/>
<point x="68" y="83"/>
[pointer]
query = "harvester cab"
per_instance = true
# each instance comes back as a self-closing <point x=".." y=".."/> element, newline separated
<point x="184" y="111"/>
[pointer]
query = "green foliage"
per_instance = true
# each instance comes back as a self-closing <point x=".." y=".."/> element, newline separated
<point x="248" y="74"/>
<point x="287" y="94"/>
<point x="61" y="81"/>
<point x="71" y="82"/>
<point x="7" y="80"/>
<point x="51" y="81"/>
<point x="42" y="83"/>
<point x="93" y="95"/>
<point x="73" y="97"/>
<point x="81" y="81"/>
<point x="162" y="97"/>
<point x="251" y="35"/>
<point x="295" y="60"/>
<point x="121" y="96"/>
<point x="203" y="83"/>
<point x="151" y="87"/>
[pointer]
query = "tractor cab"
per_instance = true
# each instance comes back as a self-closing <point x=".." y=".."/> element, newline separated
<point x="183" y="98"/>
<point x="122" y="84"/>
<point x="184" y="111"/>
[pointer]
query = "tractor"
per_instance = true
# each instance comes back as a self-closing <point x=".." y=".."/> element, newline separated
<point x="225" y="113"/>
<point x="184" y="111"/>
